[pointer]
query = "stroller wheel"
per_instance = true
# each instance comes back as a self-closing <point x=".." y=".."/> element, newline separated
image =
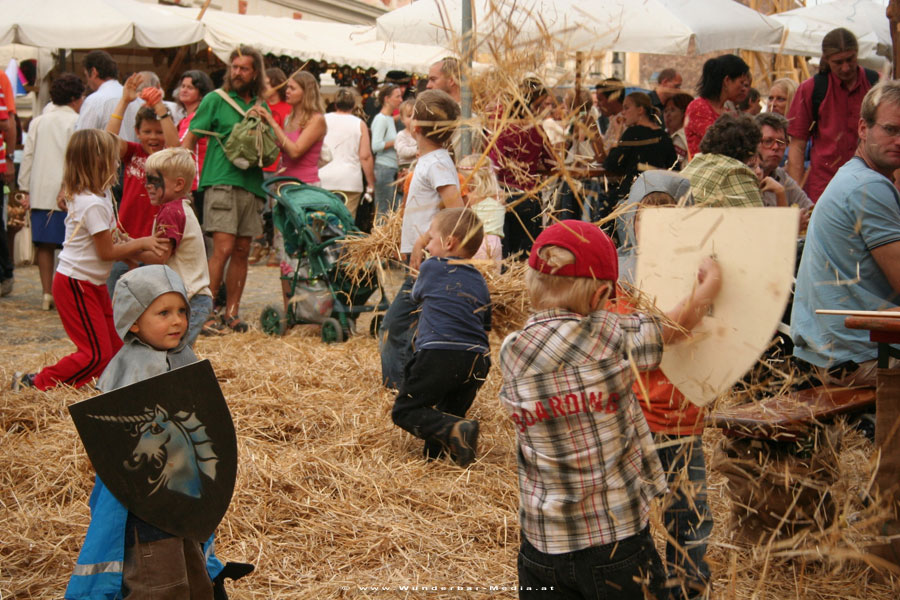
<point x="332" y="331"/>
<point x="272" y="320"/>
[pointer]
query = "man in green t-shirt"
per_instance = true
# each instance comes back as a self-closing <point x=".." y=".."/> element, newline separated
<point x="232" y="197"/>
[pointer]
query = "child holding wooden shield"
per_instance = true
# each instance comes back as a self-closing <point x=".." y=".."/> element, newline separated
<point x="587" y="465"/>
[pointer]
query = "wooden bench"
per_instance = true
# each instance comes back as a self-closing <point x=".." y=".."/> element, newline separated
<point x="789" y="416"/>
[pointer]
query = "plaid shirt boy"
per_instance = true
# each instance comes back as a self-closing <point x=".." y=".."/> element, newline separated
<point x="587" y="466"/>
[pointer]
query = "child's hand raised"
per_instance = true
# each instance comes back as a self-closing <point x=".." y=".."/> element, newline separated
<point x="129" y="90"/>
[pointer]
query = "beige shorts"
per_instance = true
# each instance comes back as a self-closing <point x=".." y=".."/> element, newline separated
<point x="233" y="210"/>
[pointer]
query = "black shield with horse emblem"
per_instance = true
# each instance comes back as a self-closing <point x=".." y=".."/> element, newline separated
<point x="166" y="448"/>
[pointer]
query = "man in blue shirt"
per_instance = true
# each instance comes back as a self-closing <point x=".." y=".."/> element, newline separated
<point x="851" y="260"/>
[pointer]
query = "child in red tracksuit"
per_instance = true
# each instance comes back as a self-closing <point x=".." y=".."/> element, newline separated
<point x="89" y="250"/>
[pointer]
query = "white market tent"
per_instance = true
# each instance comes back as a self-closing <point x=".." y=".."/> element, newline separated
<point x="805" y="28"/>
<point x="657" y="26"/>
<point x="332" y="42"/>
<point x="88" y="24"/>
<point x="94" y="24"/>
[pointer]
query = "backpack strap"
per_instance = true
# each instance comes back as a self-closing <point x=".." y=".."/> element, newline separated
<point x="820" y="89"/>
<point x="231" y="101"/>
<point x="213" y="134"/>
<point x="871" y="76"/>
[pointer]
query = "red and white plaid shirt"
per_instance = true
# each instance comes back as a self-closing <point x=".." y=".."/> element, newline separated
<point x="587" y="466"/>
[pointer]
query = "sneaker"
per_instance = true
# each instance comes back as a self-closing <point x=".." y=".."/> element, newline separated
<point x="47" y="302"/>
<point x="463" y="441"/>
<point x="6" y="286"/>
<point x="21" y="381"/>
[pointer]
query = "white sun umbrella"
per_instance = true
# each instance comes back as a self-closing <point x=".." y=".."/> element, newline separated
<point x="805" y="27"/>
<point x="657" y="26"/>
<point x="332" y="42"/>
<point x="94" y="24"/>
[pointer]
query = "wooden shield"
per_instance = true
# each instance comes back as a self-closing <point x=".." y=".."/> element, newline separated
<point x="756" y="249"/>
<point x="166" y="448"/>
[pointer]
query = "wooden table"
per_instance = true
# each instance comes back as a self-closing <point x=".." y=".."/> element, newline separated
<point x="882" y="330"/>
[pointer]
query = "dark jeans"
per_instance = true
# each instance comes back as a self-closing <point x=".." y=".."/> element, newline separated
<point x="438" y="388"/>
<point x="6" y="253"/>
<point x="574" y="206"/>
<point x="521" y="225"/>
<point x="395" y="340"/>
<point x="620" y="570"/>
<point x="687" y="517"/>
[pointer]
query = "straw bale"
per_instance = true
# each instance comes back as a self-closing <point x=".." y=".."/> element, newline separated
<point x="332" y="498"/>
<point x="330" y="494"/>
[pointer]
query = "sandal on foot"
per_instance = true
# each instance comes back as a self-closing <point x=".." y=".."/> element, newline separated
<point x="236" y="325"/>
<point x="213" y="326"/>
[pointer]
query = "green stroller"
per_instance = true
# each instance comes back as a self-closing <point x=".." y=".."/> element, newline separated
<point x="312" y="220"/>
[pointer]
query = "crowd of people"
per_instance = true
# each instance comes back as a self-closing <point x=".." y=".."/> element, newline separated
<point x="594" y="445"/>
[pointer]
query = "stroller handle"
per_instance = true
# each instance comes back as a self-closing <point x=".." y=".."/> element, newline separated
<point x="274" y="182"/>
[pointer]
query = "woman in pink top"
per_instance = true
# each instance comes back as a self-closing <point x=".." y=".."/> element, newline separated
<point x="300" y="141"/>
<point x="191" y="89"/>
<point x="725" y="79"/>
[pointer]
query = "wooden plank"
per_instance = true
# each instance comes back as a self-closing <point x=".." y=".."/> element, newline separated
<point x="881" y="314"/>
<point x="787" y="416"/>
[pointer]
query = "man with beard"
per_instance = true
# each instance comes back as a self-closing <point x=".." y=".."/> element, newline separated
<point x="233" y="199"/>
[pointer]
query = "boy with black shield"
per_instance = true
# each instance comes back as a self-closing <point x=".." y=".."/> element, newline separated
<point x="124" y="556"/>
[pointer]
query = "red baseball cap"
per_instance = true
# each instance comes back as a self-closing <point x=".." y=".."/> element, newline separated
<point x="595" y="254"/>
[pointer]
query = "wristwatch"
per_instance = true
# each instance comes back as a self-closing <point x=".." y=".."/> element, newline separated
<point x="168" y="113"/>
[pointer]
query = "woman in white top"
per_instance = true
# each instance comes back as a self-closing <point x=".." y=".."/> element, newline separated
<point x="40" y="175"/>
<point x="348" y="140"/>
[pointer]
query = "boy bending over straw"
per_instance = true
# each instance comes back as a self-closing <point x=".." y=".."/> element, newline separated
<point x="452" y="355"/>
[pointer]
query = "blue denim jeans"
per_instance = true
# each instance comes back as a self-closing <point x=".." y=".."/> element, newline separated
<point x="385" y="192"/>
<point x="118" y="269"/>
<point x="622" y="569"/>
<point x="395" y="340"/>
<point x="686" y="515"/>
<point x="201" y="307"/>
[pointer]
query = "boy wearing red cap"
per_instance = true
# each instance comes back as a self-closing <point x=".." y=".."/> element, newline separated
<point x="587" y="465"/>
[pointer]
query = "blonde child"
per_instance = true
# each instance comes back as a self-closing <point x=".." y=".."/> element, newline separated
<point x="169" y="177"/>
<point x="485" y="199"/>
<point x="587" y="465"/>
<point x="452" y="356"/>
<point x="79" y="286"/>
<point x="405" y="143"/>
<point x="435" y="184"/>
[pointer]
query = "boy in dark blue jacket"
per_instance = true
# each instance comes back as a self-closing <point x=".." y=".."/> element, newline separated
<point x="452" y="354"/>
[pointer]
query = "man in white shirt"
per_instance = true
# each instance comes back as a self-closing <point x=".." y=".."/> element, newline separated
<point x="101" y="72"/>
